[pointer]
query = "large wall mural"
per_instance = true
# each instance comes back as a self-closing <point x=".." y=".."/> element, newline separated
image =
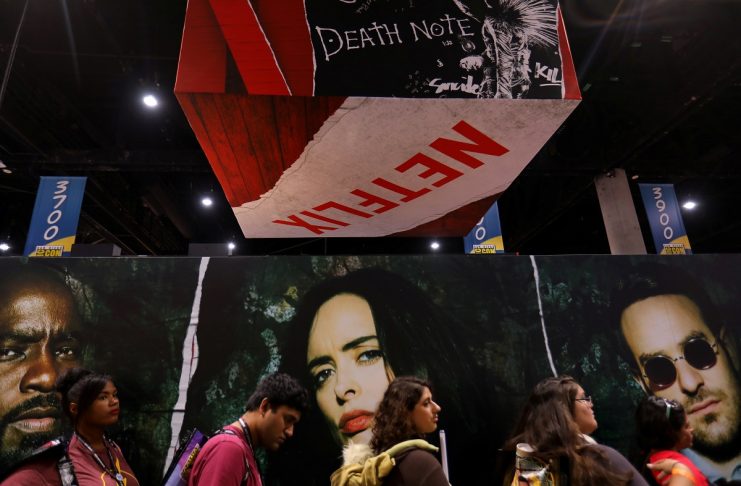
<point x="186" y="340"/>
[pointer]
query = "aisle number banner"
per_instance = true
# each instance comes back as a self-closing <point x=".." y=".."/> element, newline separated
<point x="665" y="218"/>
<point x="55" y="216"/>
<point x="486" y="236"/>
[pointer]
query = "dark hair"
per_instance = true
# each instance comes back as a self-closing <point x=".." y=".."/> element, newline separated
<point x="80" y="386"/>
<point x="392" y="424"/>
<point x="547" y="424"/>
<point x="654" y="279"/>
<point x="659" y="423"/>
<point x="409" y="328"/>
<point x="416" y="337"/>
<point x="279" y="389"/>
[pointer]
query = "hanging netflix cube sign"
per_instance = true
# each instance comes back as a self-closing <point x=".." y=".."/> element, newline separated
<point x="437" y="156"/>
<point x="436" y="48"/>
<point x="371" y="117"/>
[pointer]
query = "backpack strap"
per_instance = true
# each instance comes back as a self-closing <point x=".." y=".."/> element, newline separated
<point x="53" y="451"/>
<point x="410" y="444"/>
<point x="66" y="470"/>
<point x="246" y="462"/>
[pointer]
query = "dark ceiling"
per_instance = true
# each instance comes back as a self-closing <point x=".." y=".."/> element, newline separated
<point x="661" y="82"/>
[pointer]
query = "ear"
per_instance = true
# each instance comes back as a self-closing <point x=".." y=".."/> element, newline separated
<point x="73" y="409"/>
<point x="264" y="406"/>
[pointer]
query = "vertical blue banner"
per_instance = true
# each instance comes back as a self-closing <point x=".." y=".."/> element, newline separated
<point x="486" y="236"/>
<point x="55" y="216"/>
<point x="667" y="227"/>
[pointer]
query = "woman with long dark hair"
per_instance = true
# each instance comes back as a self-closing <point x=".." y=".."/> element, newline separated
<point x="663" y="431"/>
<point x="90" y="401"/>
<point x="405" y="416"/>
<point x="351" y="336"/>
<point x="556" y="423"/>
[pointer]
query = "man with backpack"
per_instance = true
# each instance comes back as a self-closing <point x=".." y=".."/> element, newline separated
<point x="228" y="458"/>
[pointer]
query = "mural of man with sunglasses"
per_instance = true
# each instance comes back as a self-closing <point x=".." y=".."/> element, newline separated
<point x="679" y="349"/>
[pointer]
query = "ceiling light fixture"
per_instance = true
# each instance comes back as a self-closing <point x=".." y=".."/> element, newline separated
<point x="689" y="205"/>
<point x="4" y="247"/>
<point x="231" y="245"/>
<point x="150" y="101"/>
<point x="207" y="201"/>
<point x="435" y="245"/>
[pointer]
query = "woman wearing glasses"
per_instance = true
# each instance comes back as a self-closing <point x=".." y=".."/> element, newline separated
<point x="556" y="423"/>
<point x="663" y="431"/>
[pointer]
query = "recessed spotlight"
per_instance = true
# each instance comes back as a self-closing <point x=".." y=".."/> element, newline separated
<point x="150" y="101"/>
<point x="4" y="247"/>
<point x="207" y="201"/>
<point x="689" y="205"/>
<point x="231" y="245"/>
<point x="435" y="245"/>
<point x="635" y="177"/>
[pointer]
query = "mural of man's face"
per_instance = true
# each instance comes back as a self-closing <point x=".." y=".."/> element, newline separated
<point x="38" y="328"/>
<point x="702" y="379"/>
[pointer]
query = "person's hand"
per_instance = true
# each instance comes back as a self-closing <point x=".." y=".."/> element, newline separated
<point x="672" y="473"/>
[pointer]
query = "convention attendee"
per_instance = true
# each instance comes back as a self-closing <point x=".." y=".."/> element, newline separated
<point x="405" y="416"/>
<point x="681" y="350"/>
<point x="39" y="338"/>
<point x="555" y="424"/>
<point x="90" y="400"/>
<point x="228" y="458"/>
<point x="664" y="430"/>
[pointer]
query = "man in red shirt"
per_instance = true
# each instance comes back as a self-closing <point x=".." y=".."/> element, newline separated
<point x="228" y="458"/>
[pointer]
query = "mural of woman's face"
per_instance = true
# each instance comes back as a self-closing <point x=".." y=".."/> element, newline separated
<point x="345" y="359"/>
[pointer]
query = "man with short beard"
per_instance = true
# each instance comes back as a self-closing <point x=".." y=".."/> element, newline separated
<point x="679" y="349"/>
<point x="39" y="323"/>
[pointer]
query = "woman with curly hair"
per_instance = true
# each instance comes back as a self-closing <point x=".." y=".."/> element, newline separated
<point x="352" y="335"/>
<point x="555" y="424"/>
<point x="405" y="416"/>
<point x="663" y="431"/>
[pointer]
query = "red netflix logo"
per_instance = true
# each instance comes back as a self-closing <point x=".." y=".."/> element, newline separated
<point x="435" y="172"/>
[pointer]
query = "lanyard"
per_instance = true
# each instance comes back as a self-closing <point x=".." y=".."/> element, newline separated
<point x="115" y="474"/>
<point x="248" y="437"/>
